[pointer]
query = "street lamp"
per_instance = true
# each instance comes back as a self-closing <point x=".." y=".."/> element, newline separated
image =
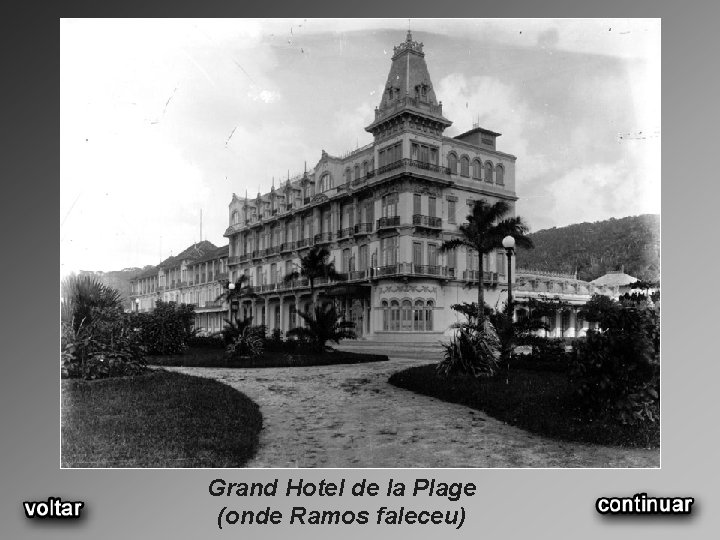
<point x="509" y="244"/>
<point x="137" y="304"/>
<point x="231" y="288"/>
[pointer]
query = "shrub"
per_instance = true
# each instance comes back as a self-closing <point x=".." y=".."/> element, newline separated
<point x="473" y="352"/>
<point x="248" y="344"/>
<point x="323" y="325"/>
<point x="206" y="342"/>
<point x="167" y="328"/>
<point x="616" y="371"/>
<point x="97" y="340"/>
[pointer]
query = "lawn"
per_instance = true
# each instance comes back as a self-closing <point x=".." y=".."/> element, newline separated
<point x="160" y="419"/>
<point x="538" y="401"/>
<point x="207" y="357"/>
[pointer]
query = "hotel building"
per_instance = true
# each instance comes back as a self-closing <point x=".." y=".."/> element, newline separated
<point x="382" y="211"/>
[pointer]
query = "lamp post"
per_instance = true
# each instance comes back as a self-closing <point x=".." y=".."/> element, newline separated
<point x="509" y="245"/>
<point x="231" y="288"/>
<point x="137" y="304"/>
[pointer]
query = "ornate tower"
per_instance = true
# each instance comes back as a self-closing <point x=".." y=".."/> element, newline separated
<point x="408" y="101"/>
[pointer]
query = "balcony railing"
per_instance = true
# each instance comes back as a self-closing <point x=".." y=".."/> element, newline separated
<point x="273" y="250"/>
<point x="363" y="228"/>
<point x="302" y="243"/>
<point x="306" y="200"/>
<point x="392" y="221"/>
<point x="345" y="233"/>
<point x="258" y="253"/>
<point x="287" y="246"/>
<point x="427" y="221"/>
<point x="474" y="275"/>
<point x="412" y="269"/>
<point x="323" y="238"/>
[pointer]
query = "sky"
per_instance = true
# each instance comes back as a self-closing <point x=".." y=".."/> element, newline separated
<point x="161" y="121"/>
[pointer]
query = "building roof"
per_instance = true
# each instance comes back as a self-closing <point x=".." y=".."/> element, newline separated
<point x="616" y="278"/>
<point x="193" y="253"/>
<point x="218" y="253"/>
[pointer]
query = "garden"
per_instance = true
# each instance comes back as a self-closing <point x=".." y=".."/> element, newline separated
<point x="605" y="391"/>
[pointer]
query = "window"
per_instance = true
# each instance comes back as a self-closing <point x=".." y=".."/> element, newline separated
<point x="346" y="255"/>
<point x="325" y="182"/>
<point x="388" y="250"/>
<point x="476" y="169"/>
<point x="500" y="260"/>
<point x="419" y="316"/>
<point x="386" y="325"/>
<point x="452" y="163"/>
<point x="451" y="211"/>
<point x="432" y="210"/>
<point x="357" y="172"/>
<point x="394" y="316"/>
<point x="273" y="273"/>
<point x="432" y="255"/>
<point x="234" y="218"/>
<point x="500" y="175"/>
<point x="451" y="261"/>
<point x="363" y="253"/>
<point x="417" y="253"/>
<point x="464" y="166"/>
<point x="365" y="168"/>
<point x="488" y="172"/>
<point x="389" y="205"/>
<point x="406" y="316"/>
<point x="429" y="315"/>
<point x="417" y="203"/>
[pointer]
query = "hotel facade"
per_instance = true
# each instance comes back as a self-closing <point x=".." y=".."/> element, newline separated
<point x="383" y="212"/>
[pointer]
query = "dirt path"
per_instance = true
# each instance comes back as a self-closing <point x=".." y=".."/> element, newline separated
<point x="350" y="416"/>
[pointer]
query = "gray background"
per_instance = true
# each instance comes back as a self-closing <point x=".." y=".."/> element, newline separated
<point x="509" y="503"/>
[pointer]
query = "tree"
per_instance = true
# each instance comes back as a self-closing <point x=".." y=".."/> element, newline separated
<point x="241" y="290"/>
<point x="312" y="266"/>
<point x="322" y="326"/>
<point x="484" y="232"/>
<point x="85" y="298"/>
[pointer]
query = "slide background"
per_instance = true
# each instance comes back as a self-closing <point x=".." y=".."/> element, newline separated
<point x="509" y="503"/>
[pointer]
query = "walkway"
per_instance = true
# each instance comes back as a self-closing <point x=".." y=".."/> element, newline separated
<point x="350" y="416"/>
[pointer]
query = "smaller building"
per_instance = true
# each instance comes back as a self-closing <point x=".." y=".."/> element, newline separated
<point x="618" y="279"/>
<point x="196" y="276"/>
<point x="566" y="288"/>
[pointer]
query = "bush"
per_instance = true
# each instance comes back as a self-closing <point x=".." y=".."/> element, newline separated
<point x="472" y="352"/>
<point x="616" y="371"/>
<point x="97" y="340"/>
<point x="248" y="344"/>
<point x="167" y="328"/>
<point x="323" y="325"/>
<point x="206" y="342"/>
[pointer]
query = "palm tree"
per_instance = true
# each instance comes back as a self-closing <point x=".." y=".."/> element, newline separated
<point x="484" y="232"/>
<point x="322" y="326"/>
<point x="241" y="290"/>
<point x="312" y="266"/>
<point x="85" y="298"/>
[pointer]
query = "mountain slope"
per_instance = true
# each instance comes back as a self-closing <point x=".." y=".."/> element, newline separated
<point x="593" y="249"/>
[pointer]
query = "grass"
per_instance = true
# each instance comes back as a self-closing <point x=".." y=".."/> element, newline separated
<point x="160" y="419"/>
<point x="538" y="401"/>
<point x="206" y="357"/>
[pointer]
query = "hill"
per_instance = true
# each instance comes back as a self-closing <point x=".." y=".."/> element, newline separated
<point x="593" y="249"/>
<point x="117" y="279"/>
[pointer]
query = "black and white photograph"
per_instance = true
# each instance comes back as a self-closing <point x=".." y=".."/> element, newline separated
<point x="360" y="243"/>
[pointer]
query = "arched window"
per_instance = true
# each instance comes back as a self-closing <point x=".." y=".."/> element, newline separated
<point x="406" y="323"/>
<point x="394" y="316"/>
<point x="385" y="315"/>
<point x="234" y="217"/>
<point x="419" y="316"/>
<point x="429" y="315"/>
<point x="365" y="168"/>
<point x="464" y="166"/>
<point x="357" y="172"/>
<point x="500" y="175"/>
<point x="488" y="172"/>
<point x="452" y="163"/>
<point x="476" y="169"/>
